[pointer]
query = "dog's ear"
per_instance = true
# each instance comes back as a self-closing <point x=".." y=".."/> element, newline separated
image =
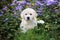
<point x="36" y="14"/>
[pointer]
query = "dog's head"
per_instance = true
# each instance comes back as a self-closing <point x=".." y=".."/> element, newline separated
<point x="28" y="14"/>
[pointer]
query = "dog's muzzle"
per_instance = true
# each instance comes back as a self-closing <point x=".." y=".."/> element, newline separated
<point x="28" y="18"/>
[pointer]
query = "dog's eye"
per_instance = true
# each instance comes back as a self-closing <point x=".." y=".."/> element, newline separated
<point x="25" y="14"/>
<point x="30" y="14"/>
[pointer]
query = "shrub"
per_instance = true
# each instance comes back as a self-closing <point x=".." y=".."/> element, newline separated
<point x="46" y="10"/>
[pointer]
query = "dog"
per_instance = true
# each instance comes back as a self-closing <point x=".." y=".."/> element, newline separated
<point x="29" y="19"/>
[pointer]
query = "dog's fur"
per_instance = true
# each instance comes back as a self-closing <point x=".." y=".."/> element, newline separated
<point x="29" y="20"/>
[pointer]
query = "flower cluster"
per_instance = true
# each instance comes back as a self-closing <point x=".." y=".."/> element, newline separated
<point x="20" y="4"/>
<point x="39" y="5"/>
<point x="51" y="2"/>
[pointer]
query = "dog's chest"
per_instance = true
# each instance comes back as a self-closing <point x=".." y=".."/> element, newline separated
<point x="30" y="25"/>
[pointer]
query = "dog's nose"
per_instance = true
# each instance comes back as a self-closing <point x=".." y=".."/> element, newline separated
<point x="28" y="18"/>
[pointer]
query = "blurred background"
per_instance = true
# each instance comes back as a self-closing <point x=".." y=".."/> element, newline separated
<point x="47" y="10"/>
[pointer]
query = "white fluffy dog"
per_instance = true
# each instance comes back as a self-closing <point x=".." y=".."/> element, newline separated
<point x="29" y="20"/>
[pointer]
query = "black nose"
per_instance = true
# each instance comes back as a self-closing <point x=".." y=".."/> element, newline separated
<point x="28" y="18"/>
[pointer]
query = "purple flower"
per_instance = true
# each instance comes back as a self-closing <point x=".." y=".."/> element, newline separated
<point x="5" y="20"/>
<point x="40" y="11"/>
<point x="50" y="2"/>
<point x="1" y="13"/>
<point x="19" y="8"/>
<point x="58" y="3"/>
<point x="38" y="3"/>
<point x="21" y="2"/>
<point x="28" y="3"/>
<point x="5" y="8"/>
<point x="18" y="2"/>
<point x="40" y="14"/>
<point x="12" y="4"/>
<point x="56" y="10"/>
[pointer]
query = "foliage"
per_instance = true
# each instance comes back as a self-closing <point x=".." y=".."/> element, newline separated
<point x="49" y="11"/>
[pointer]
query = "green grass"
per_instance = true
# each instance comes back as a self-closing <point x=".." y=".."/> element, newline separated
<point x="33" y="35"/>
